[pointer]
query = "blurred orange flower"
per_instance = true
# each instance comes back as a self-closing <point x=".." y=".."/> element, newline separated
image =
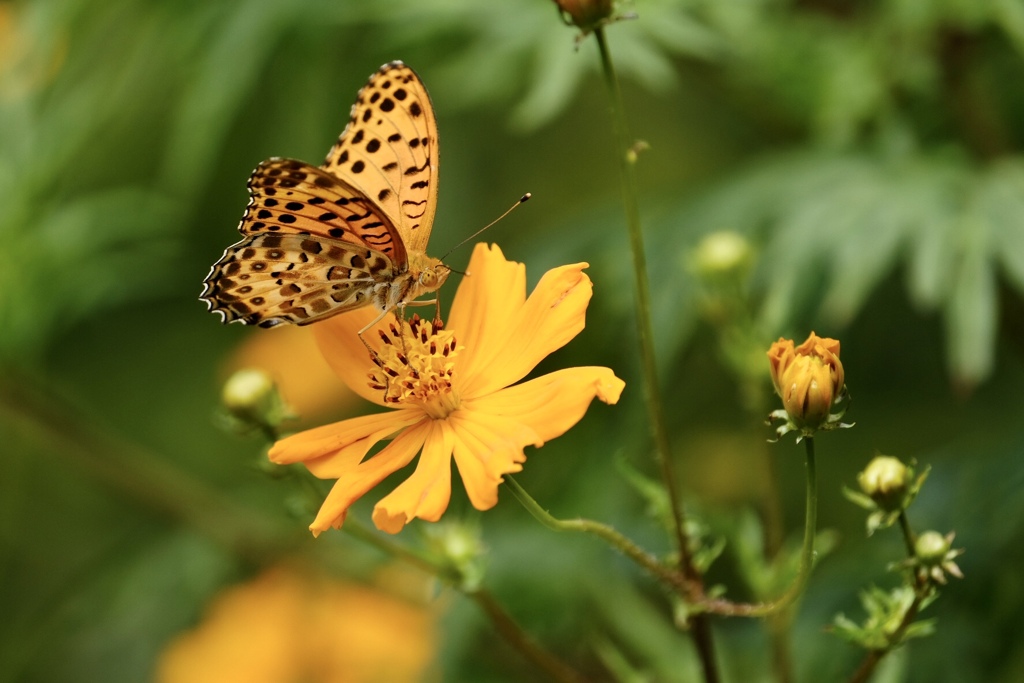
<point x="808" y="378"/>
<point x="450" y="393"/>
<point x="288" y="626"/>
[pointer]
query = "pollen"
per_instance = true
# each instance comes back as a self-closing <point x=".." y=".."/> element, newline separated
<point x="415" y="364"/>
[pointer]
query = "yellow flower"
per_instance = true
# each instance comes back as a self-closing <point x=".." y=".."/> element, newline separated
<point x="450" y="393"/>
<point x="808" y="378"/>
<point x="289" y="625"/>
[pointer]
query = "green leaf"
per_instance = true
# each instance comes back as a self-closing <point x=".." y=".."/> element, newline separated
<point x="971" y="310"/>
<point x="1001" y="201"/>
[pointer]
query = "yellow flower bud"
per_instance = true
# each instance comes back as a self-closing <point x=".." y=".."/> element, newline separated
<point x="885" y="480"/>
<point x="808" y="379"/>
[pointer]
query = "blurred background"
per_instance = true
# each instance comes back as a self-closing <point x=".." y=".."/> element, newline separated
<point x="869" y="152"/>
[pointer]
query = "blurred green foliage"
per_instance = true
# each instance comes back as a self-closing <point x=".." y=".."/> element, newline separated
<point x="872" y="151"/>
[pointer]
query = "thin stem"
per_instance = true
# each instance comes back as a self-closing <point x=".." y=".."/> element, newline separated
<point x="644" y="326"/>
<point x="700" y="629"/>
<point x="389" y="547"/>
<point x="693" y="592"/>
<point x="796" y="588"/>
<point x="504" y="624"/>
<point x="621" y="543"/>
<point x="908" y="535"/>
<point x="810" y="528"/>
<point x="510" y="630"/>
<point x="921" y="586"/>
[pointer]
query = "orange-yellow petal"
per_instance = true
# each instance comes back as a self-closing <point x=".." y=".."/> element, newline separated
<point x="780" y="355"/>
<point x="340" y="345"/>
<point x="487" y="447"/>
<point x="554" y="313"/>
<point x="552" y="403"/>
<point x="368" y="474"/>
<point x="486" y="297"/>
<point x="332" y="449"/>
<point x="426" y="493"/>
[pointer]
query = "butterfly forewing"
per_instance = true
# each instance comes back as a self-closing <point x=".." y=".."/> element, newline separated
<point x="292" y="196"/>
<point x="389" y="151"/>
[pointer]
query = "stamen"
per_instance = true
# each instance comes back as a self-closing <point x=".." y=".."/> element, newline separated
<point x="412" y="371"/>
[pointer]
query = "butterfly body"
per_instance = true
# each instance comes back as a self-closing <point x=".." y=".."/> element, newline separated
<point x="318" y="241"/>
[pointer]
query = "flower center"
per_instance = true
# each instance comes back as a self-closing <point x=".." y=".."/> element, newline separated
<point x="415" y="365"/>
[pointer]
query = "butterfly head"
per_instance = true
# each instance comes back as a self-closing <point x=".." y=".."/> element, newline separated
<point x="432" y="277"/>
<point x="428" y="273"/>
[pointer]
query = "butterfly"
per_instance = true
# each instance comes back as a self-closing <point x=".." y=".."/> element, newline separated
<point x="351" y="233"/>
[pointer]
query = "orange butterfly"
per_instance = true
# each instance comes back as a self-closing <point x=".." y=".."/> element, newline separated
<point x="320" y="241"/>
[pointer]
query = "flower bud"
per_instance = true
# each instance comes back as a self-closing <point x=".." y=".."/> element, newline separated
<point x="462" y="549"/>
<point x="809" y="378"/>
<point x="586" y="14"/>
<point x="251" y="397"/>
<point x="885" y="480"/>
<point x="934" y="555"/>
<point x="722" y="254"/>
<point x="932" y="547"/>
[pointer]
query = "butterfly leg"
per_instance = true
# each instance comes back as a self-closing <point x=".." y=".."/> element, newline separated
<point x="373" y="354"/>
<point x="436" y="303"/>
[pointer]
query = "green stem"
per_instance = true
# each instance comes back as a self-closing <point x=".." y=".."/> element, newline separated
<point x="515" y="635"/>
<point x="908" y="535"/>
<point x="389" y="547"/>
<point x="921" y="591"/>
<point x="810" y="528"/>
<point x="621" y="543"/>
<point x="700" y="628"/>
<point x="727" y="608"/>
<point x="691" y="591"/>
<point x="644" y="326"/>
<point x="500" y="619"/>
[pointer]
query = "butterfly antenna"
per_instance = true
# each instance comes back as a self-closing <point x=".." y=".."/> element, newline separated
<point x="512" y="208"/>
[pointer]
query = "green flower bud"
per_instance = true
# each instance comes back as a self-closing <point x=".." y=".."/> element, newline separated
<point x="462" y="549"/>
<point x="251" y="397"/>
<point x="722" y="254"/>
<point x="886" y="481"/>
<point x="932" y="548"/>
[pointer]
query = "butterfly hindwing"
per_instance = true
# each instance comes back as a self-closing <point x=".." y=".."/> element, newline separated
<point x="270" y="278"/>
<point x="389" y="151"/>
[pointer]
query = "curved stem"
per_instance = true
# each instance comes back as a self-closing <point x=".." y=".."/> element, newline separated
<point x="515" y="635"/>
<point x="700" y="630"/>
<point x="643" y="299"/>
<point x="502" y="622"/>
<point x="810" y="529"/>
<point x="796" y="588"/>
<point x="615" y="539"/>
<point x="921" y="587"/>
